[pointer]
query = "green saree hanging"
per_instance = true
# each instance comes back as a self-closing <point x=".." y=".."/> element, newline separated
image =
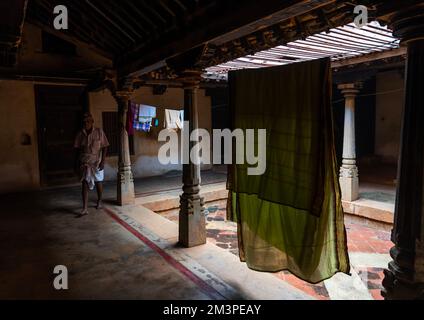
<point x="291" y="217"/>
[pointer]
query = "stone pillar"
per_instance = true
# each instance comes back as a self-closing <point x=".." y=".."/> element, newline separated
<point x="192" y="225"/>
<point x="125" y="181"/>
<point x="349" y="181"/>
<point x="404" y="278"/>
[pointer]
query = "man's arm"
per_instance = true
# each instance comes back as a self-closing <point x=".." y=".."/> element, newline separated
<point x="77" y="159"/>
<point x="102" y="161"/>
<point x="105" y="145"/>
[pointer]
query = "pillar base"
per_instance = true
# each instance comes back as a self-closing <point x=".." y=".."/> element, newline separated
<point x="192" y="223"/>
<point x="398" y="289"/>
<point x="349" y="183"/>
<point x="126" y="194"/>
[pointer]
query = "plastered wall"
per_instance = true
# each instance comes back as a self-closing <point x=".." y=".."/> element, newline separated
<point x="19" y="169"/>
<point x="145" y="161"/>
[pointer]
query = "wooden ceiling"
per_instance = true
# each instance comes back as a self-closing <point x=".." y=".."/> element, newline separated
<point x="118" y="27"/>
<point x="142" y="36"/>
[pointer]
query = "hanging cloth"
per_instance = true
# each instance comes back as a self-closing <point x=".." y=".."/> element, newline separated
<point x="145" y="117"/>
<point x="291" y="217"/>
<point x="173" y="119"/>
<point x="146" y="111"/>
<point x="182" y="118"/>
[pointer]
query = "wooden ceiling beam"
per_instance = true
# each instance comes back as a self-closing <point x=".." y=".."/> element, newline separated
<point x="143" y="17"/>
<point x="96" y="23"/>
<point x="216" y="27"/>
<point x="111" y="21"/>
<point x="371" y="57"/>
<point x="154" y="12"/>
<point x="121" y="16"/>
<point x="81" y="32"/>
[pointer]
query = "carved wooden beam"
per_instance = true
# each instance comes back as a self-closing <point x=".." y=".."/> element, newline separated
<point x="217" y="28"/>
<point x="370" y="58"/>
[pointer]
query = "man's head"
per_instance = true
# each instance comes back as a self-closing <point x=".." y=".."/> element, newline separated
<point x="87" y="121"/>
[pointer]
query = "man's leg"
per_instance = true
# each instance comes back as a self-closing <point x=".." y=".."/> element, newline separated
<point x="99" y="189"/>
<point x="84" y="198"/>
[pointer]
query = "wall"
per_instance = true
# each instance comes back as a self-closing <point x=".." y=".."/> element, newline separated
<point x="146" y="146"/>
<point x="388" y="116"/>
<point x="19" y="168"/>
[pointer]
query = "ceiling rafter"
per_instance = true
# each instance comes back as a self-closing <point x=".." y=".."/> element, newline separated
<point x="141" y="35"/>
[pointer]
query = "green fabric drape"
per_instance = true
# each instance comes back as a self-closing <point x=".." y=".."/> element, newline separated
<point x="290" y="217"/>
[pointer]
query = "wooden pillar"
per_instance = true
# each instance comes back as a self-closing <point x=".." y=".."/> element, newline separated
<point x="349" y="178"/>
<point x="192" y="225"/>
<point x="125" y="181"/>
<point x="404" y="278"/>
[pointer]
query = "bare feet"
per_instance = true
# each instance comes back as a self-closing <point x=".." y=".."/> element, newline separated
<point x="99" y="205"/>
<point x="83" y="213"/>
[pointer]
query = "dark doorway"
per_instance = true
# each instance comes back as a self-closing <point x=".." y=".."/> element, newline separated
<point x="59" y="114"/>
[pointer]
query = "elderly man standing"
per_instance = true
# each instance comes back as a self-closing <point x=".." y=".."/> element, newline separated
<point x="92" y="145"/>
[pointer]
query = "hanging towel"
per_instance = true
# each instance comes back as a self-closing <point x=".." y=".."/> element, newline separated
<point x="182" y="118"/>
<point x="147" y="111"/>
<point x="173" y="119"/>
<point x="145" y="117"/>
<point x="291" y="217"/>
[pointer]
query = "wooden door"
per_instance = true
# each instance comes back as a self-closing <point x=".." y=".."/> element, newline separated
<point x="59" y="116"/>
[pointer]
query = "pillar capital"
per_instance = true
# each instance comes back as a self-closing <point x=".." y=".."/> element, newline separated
<point x="350" y="89"/>
<point x="408" y="24"/>
<point x="123" y="95"/>
<point x="190" y="78"/>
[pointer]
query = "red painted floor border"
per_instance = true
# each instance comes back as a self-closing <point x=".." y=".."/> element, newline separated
<point x="206" y="288"/>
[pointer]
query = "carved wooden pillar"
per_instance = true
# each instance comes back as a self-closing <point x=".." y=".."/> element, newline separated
<point x="349" y="180"/>
<point x="404" y="278"/>
<point x="125" y="181"/>
<point x="192" y="225"/>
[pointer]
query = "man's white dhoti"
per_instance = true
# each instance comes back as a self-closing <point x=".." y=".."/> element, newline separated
<point x="91" y="175"/>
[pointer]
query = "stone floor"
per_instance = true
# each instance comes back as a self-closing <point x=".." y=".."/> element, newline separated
<point x="131" y="253"/>
<point x="39" y="231"/>
<point x="116" y="253"/>
<point x="173" y="180"/>
<point x="368" y="250"/>
<point x="375" y="206"/>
